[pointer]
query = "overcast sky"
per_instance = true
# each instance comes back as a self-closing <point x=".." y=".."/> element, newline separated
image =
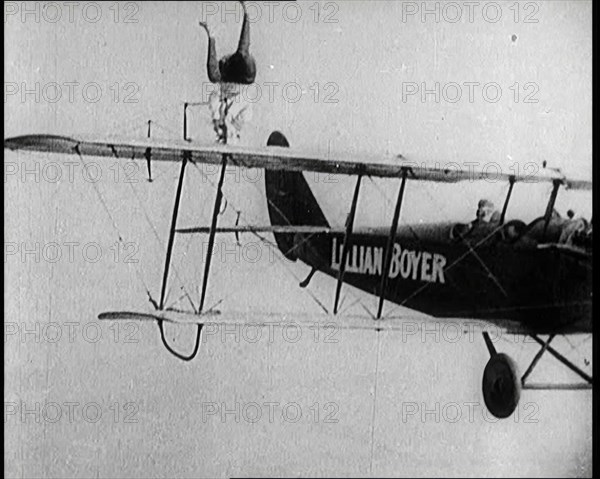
<point x="504" y="87"/>
<point x="375" y="62"/>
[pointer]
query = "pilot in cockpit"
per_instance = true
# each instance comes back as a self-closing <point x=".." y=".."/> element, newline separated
<point x="576" y="231"/>
<point x="486" y="218"/>
<point x="486" y="215"/>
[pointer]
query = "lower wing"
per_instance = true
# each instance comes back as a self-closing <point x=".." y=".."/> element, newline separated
<point x="405" y="323"/>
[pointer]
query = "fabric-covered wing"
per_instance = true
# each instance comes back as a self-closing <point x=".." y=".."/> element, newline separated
<point x="407" y="324"/>
<point x="270" y="158"/>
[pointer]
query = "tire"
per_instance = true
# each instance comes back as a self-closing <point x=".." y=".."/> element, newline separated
<point x="501" y="386"/>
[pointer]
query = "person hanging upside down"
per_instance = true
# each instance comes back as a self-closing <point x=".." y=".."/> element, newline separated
<point x="229" y="111"/>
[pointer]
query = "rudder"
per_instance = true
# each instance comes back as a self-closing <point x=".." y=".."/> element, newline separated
<point x="290" y="201"/>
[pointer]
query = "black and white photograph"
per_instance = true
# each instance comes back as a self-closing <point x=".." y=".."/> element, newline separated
<point x="310" y="238"/>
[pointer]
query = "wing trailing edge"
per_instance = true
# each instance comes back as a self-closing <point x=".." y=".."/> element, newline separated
<point x="273" y="158"/>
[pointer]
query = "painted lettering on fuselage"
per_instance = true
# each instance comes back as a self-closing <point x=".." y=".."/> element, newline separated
<point x="406" y="263"/>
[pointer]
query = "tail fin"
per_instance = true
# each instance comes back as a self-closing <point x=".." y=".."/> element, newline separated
<point x="290" y="201"/>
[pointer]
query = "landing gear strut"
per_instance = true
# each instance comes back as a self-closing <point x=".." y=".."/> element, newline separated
<point x="501" y="383"/>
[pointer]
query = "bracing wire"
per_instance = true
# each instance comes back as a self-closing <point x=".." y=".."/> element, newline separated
<point x="114" y="223"/>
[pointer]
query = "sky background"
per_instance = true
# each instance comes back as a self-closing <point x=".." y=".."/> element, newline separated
<point x="363" y="56"/>
<point x="354" y="76"/>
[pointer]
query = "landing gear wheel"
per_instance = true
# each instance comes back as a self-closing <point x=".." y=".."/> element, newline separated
<point x="501" y="385"/>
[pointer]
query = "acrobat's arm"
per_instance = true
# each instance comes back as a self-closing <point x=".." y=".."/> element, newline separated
<point x="212" y="65"/>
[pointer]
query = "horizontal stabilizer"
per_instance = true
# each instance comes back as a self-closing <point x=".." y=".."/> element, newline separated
<point x="264" y="229"/>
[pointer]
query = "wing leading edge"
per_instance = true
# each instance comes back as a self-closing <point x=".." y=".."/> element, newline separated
<point x="269" y="158"/>
<point x="406" y="324"/>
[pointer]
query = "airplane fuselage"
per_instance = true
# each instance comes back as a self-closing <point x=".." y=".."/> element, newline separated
<point x="480" y="278"/>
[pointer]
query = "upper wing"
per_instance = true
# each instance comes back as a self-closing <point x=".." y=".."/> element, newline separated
<point x="270" y="158"/>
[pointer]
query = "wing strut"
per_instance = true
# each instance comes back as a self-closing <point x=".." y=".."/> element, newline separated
<point x="148" y="154"/>
<point x="212" y="231"/>
<point x="536" y="359"/>
<point x="172" y="230"/>
<point x="199" y="327"/>
<point x="546" y="347"/>
<point x="511" y="183"/>
<point x="346" y="246"/>
<point x="550" y="207"/>
<point x="185" y="107"/>
<point x="390" y="245"/>
<point x="175" y="353"/>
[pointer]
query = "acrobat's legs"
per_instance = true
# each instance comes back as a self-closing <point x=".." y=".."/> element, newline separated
<point x="240" y="67"/>
<point x="212" y="65"/>
<point x="244" y="43"/>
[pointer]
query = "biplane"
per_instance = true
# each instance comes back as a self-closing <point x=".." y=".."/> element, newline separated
<point x="531" y="279"/>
